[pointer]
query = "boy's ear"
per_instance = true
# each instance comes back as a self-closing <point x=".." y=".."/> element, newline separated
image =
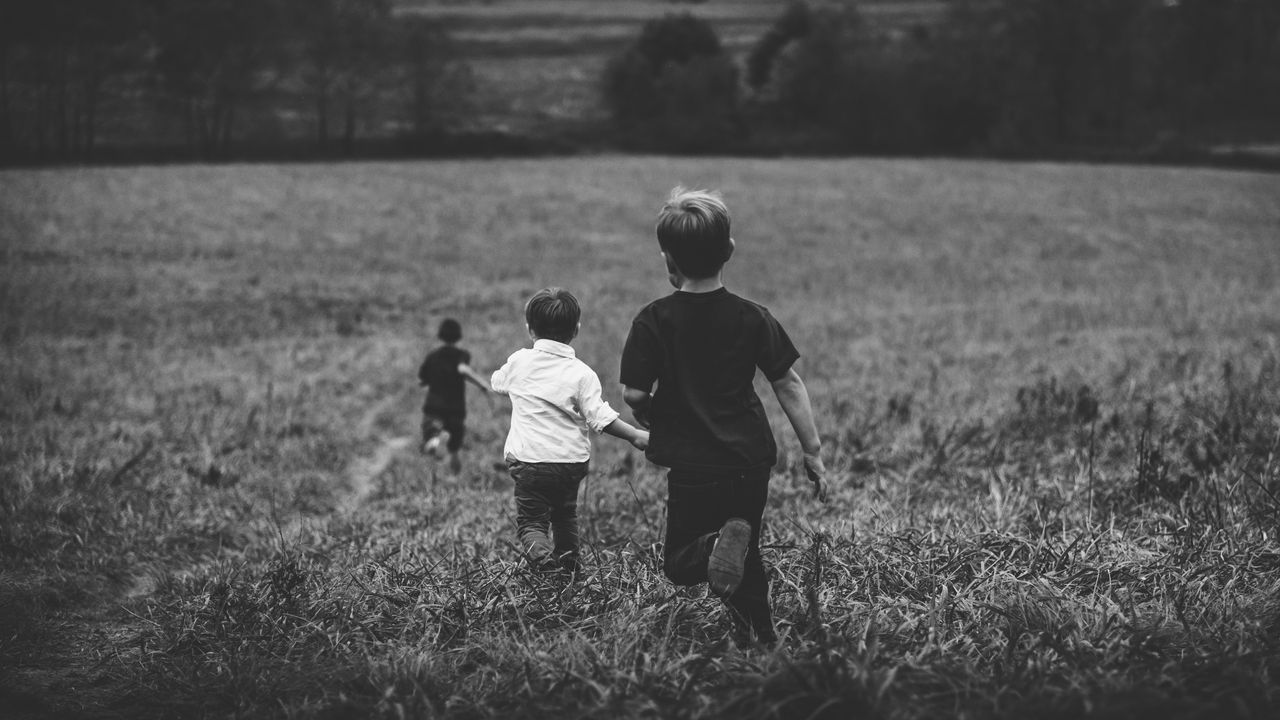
<point x="529" y="330"/>
<point x="673" y="273"/>
<point x="729" y="254"/>
<point x="577" y="329"/>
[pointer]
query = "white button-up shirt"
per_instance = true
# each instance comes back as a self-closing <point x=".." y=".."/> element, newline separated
<point x="555" y="400"/>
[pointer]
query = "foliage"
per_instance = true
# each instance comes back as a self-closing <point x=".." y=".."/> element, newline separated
<point x="57" y="59"/>
<point x="1101" y="72"/>
<point x="96" y="80"/>
<point x="344" y="48"/>
<point x="1023" y="76"/>
<point x="675" y="88"/>
<point x="214" y="58"/>
<point x="222" y="73"/>
<point x="795" y="22"/>
<point x="434" y="90"/>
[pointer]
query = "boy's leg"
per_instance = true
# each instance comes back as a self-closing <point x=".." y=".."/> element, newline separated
<point x="533" y="512"/>
<point x="696" y="509"/>
<point x="431" y="427"/>
<point x="456" y="426"/>
<point x="698" y="505"/>
<point x="564" y="513"/>
<point x="749" y="605"/>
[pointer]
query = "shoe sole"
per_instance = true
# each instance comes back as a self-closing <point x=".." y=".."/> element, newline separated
<point x="728" y="557"/>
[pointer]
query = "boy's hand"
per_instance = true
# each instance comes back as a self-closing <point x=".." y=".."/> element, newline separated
<point x="641" y="441"/>
<point x="638" y="400"/>
<point x="817" y="473"/>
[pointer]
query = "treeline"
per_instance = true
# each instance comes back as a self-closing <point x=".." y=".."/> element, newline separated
<point x="993" y="76"/>
<point x="84" y="80"/>
<point x="209" y="78"/>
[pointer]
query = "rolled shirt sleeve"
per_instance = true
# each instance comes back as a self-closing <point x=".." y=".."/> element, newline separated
<point x="596" y="412"/>
<point x="498" y="381"/>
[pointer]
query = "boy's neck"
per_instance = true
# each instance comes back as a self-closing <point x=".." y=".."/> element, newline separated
<point x="701" y="285"/>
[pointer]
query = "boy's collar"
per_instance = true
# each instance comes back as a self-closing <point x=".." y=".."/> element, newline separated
<point x="703" y="293"/>
<point x="554" y="347"/>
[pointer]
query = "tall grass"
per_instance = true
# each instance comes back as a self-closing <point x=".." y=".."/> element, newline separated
<point x="1048" y="396"/>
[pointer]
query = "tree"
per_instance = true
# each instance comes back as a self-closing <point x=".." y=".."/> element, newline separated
<point x="437" y="88"/>
<point x="795" y="22"/>
<point x="55" y="59"/>
<point x="814" y="73"/>
<point x="1222" y="66"/>
<point x="1035" y="74"/>
<point x="214" y="57"/>
<point x="345" y="52"/>
<point x="675" y="88"/>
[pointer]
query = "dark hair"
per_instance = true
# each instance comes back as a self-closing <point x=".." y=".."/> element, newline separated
<point x="450" y="331"/>
<point x="693" y="230"/>
<point x="553" y="313"/>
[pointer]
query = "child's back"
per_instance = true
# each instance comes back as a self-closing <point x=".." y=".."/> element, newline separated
<point x="555" y="400"/>
<point x="702" y="346"/>
<point x="445" y="371"/>
<point x="446" y="391"/>
<point x="703" y="351"/>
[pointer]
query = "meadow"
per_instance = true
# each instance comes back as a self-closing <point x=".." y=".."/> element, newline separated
<point x="1048" y="395"/>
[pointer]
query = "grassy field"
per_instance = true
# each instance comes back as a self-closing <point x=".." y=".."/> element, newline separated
<point x="1048" y="395"/>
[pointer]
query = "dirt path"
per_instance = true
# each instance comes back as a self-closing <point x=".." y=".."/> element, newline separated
<point x="74" y="671"/>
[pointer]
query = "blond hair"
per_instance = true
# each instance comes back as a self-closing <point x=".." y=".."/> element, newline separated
<point x="693" y="230"/>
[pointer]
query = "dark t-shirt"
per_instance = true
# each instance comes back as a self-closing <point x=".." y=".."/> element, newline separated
<point x="703" y="350"/>
<point x="447" y="392"/>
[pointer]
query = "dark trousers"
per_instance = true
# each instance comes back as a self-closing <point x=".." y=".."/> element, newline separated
<point x="547" y="511"/>
<point x="698" y="504"/>
<point x="455" y="423"/>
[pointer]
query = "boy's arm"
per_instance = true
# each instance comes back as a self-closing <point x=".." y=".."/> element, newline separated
<point x="498" y="382"/>
<point x="622" y="429"/>
<point x="638" y="401"/>
<point x="794" y="399"/>
<point x="474" y="377"/>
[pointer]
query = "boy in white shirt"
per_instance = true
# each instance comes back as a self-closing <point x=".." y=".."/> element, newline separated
<point x="555" y="400"/>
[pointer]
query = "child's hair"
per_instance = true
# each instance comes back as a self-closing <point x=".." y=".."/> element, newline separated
<point x="450" y="331"/>
<point x="553" y="313"/>
<point x="693" y="230"/>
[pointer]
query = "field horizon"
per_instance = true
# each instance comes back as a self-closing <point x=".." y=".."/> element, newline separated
<point x="1048" y="394"/>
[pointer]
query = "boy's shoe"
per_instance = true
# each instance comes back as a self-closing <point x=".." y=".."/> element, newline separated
<point x="432" y="447"/>
<point x="728" y="557"/>
<point x="547" y="564"/>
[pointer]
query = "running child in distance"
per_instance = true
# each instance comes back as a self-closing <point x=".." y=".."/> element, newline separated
<point x="445" y="372"/>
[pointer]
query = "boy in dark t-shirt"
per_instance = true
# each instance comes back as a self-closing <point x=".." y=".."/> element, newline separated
<point x="702" y="346"/>
<point x="445" y="372"/>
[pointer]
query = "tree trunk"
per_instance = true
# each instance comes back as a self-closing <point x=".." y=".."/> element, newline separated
<point x="91" y="93"/>
<point x="349" y="129"/>
<point x="63" y="124"/>
<point x="228" y="117"/>
<point x="322" y="118"/>
<point x="6" y="120"/>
